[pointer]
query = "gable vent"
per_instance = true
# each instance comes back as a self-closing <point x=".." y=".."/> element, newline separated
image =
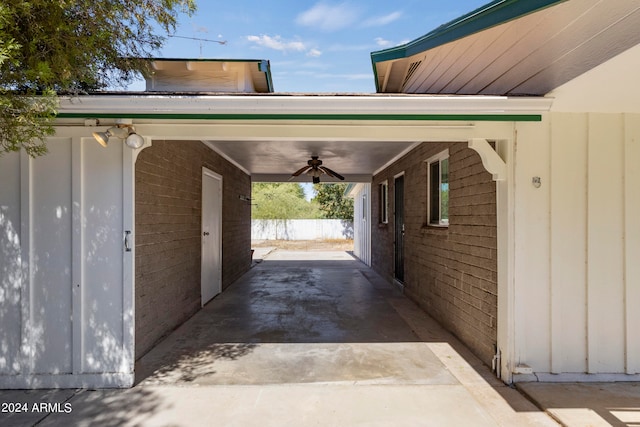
<point x="412" y="69"/>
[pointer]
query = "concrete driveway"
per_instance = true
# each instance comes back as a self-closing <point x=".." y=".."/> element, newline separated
<point x="302" y="339"/>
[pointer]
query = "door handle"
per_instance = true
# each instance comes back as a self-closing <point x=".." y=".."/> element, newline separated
<point x="206" y="233"/>
<point x="127" y="245"/>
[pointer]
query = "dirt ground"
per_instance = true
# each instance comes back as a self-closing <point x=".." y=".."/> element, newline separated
<point x="306" y="245"/>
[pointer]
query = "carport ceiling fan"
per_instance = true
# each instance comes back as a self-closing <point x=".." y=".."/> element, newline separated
<point x="314" y="169"/>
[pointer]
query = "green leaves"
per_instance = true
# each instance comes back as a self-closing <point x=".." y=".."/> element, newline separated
<point x="51" y="47"/>
<point x="26" y="121"/>
<point x="332" y="201"/>
<point x="287" y="201"/>
<point x="280" y="201"/>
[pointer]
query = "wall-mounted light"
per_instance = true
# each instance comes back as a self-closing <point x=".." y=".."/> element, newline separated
<point x="536" y="181"/>
<point x="133" y="140"/>
<point x="125" y="132"/>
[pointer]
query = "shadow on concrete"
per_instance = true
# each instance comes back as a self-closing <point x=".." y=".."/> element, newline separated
<point x="318" y="316"/>
<point x="186" y="361"/>
<point x="594" y="404"/>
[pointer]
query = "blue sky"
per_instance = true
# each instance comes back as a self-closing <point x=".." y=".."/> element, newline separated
<point x="313" y="46"/>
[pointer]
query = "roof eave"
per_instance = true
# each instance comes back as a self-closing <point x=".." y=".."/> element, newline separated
<point x="495" y="13"/>
<point x="256" y="107"/>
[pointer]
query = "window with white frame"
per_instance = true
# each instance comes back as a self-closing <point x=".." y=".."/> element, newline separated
<point x="384" y="202"/>
<point x="438" y="189"/>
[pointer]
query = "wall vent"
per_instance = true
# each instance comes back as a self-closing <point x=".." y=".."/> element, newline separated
<point x="412" y="69"/>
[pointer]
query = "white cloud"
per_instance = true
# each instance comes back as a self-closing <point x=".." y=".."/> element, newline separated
<point x="328" y="17"/>
<point x="314" y="53"/>
<point x="277" y="43"/>
<point x="382" y="42"/>
<point x="379" y="21"/>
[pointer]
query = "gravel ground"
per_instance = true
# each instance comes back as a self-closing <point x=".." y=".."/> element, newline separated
<point x="305" y="245"/>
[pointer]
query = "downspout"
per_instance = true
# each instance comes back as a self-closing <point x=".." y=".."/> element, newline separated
<point x="496" y="165"/>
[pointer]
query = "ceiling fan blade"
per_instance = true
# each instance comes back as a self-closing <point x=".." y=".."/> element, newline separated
<point x="301" y="170"/>
<point x="332" y="173"/>
<point x="326" y="170"/>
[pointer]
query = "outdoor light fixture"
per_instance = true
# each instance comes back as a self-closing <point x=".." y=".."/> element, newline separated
<point x="134" y="140"/>
<point x="125" y="132"/>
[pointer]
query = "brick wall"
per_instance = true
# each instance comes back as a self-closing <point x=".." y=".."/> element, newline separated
<point x="168" y="225"/>
<point x="450" y="272"/>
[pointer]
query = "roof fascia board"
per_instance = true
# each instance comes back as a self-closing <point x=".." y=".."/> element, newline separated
<point x="306" y="107"/>
<point x="500" y="117"/>
<point x="495" y="13"/>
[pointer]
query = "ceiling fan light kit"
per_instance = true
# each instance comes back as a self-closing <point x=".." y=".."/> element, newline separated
<point x="314" y="169"/>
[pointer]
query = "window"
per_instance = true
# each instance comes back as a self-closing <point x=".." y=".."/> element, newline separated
<point x="438" y="189"/>
<point x="364" y="206"/>
<point x="384" y="202"/>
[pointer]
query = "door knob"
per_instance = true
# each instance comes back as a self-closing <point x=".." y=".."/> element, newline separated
<point x="206" y="233"/>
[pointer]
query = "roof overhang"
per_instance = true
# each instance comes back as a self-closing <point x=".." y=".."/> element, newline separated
<point x="148" y="106"/>
<point x="511" y="47"/>
<point x="212" y="75"/>
<point x="269" y="137"/>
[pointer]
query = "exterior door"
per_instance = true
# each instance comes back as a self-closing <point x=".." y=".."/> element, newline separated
<point x="399" y="228"/>
<point x="211" y="269"/>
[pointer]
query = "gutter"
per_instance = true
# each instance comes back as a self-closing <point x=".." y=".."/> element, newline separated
<point x="306" y="108"/>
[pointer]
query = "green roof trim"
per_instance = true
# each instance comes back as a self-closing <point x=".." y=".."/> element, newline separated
<point x="495" y="13"/>
<point x="265" y="67"/>
<point x="312" y="117"/>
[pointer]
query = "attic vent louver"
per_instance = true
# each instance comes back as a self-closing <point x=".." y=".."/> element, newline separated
<point x="412" y="69"/>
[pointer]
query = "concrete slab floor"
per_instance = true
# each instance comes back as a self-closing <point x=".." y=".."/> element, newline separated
<point x="588" y="404"/>
<point x="313" y="341"/>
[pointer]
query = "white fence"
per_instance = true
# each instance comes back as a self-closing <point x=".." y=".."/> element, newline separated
<point x="301" y="229"/>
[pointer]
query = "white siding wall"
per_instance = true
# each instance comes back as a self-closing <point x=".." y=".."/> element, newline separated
<point x="10" y="265"/>
<point x="362" y="223"/>
<point x="62" y="294"/>
<point x="577" y="246"/>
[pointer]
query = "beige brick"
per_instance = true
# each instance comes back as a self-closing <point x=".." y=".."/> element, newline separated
<point x="168" y="223"/>
<point x="451" y="273"/>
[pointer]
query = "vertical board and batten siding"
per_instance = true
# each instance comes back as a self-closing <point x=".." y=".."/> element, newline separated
<point x="578" y="300"/>
<point x="362" y="222"/>
<point x="568" y="243"/>
<point x="605" y="244"/>
<point x="531" y="260"/>
<point x="10" y="264"/>
<point x="50" y="311"/>
<point x="632" y="241"/>
<point x="61" y="228"/>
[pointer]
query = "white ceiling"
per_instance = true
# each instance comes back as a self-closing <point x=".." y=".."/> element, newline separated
<point x="276" y="160"/>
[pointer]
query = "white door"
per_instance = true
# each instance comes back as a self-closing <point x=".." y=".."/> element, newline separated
<point x="211" y="270"/>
